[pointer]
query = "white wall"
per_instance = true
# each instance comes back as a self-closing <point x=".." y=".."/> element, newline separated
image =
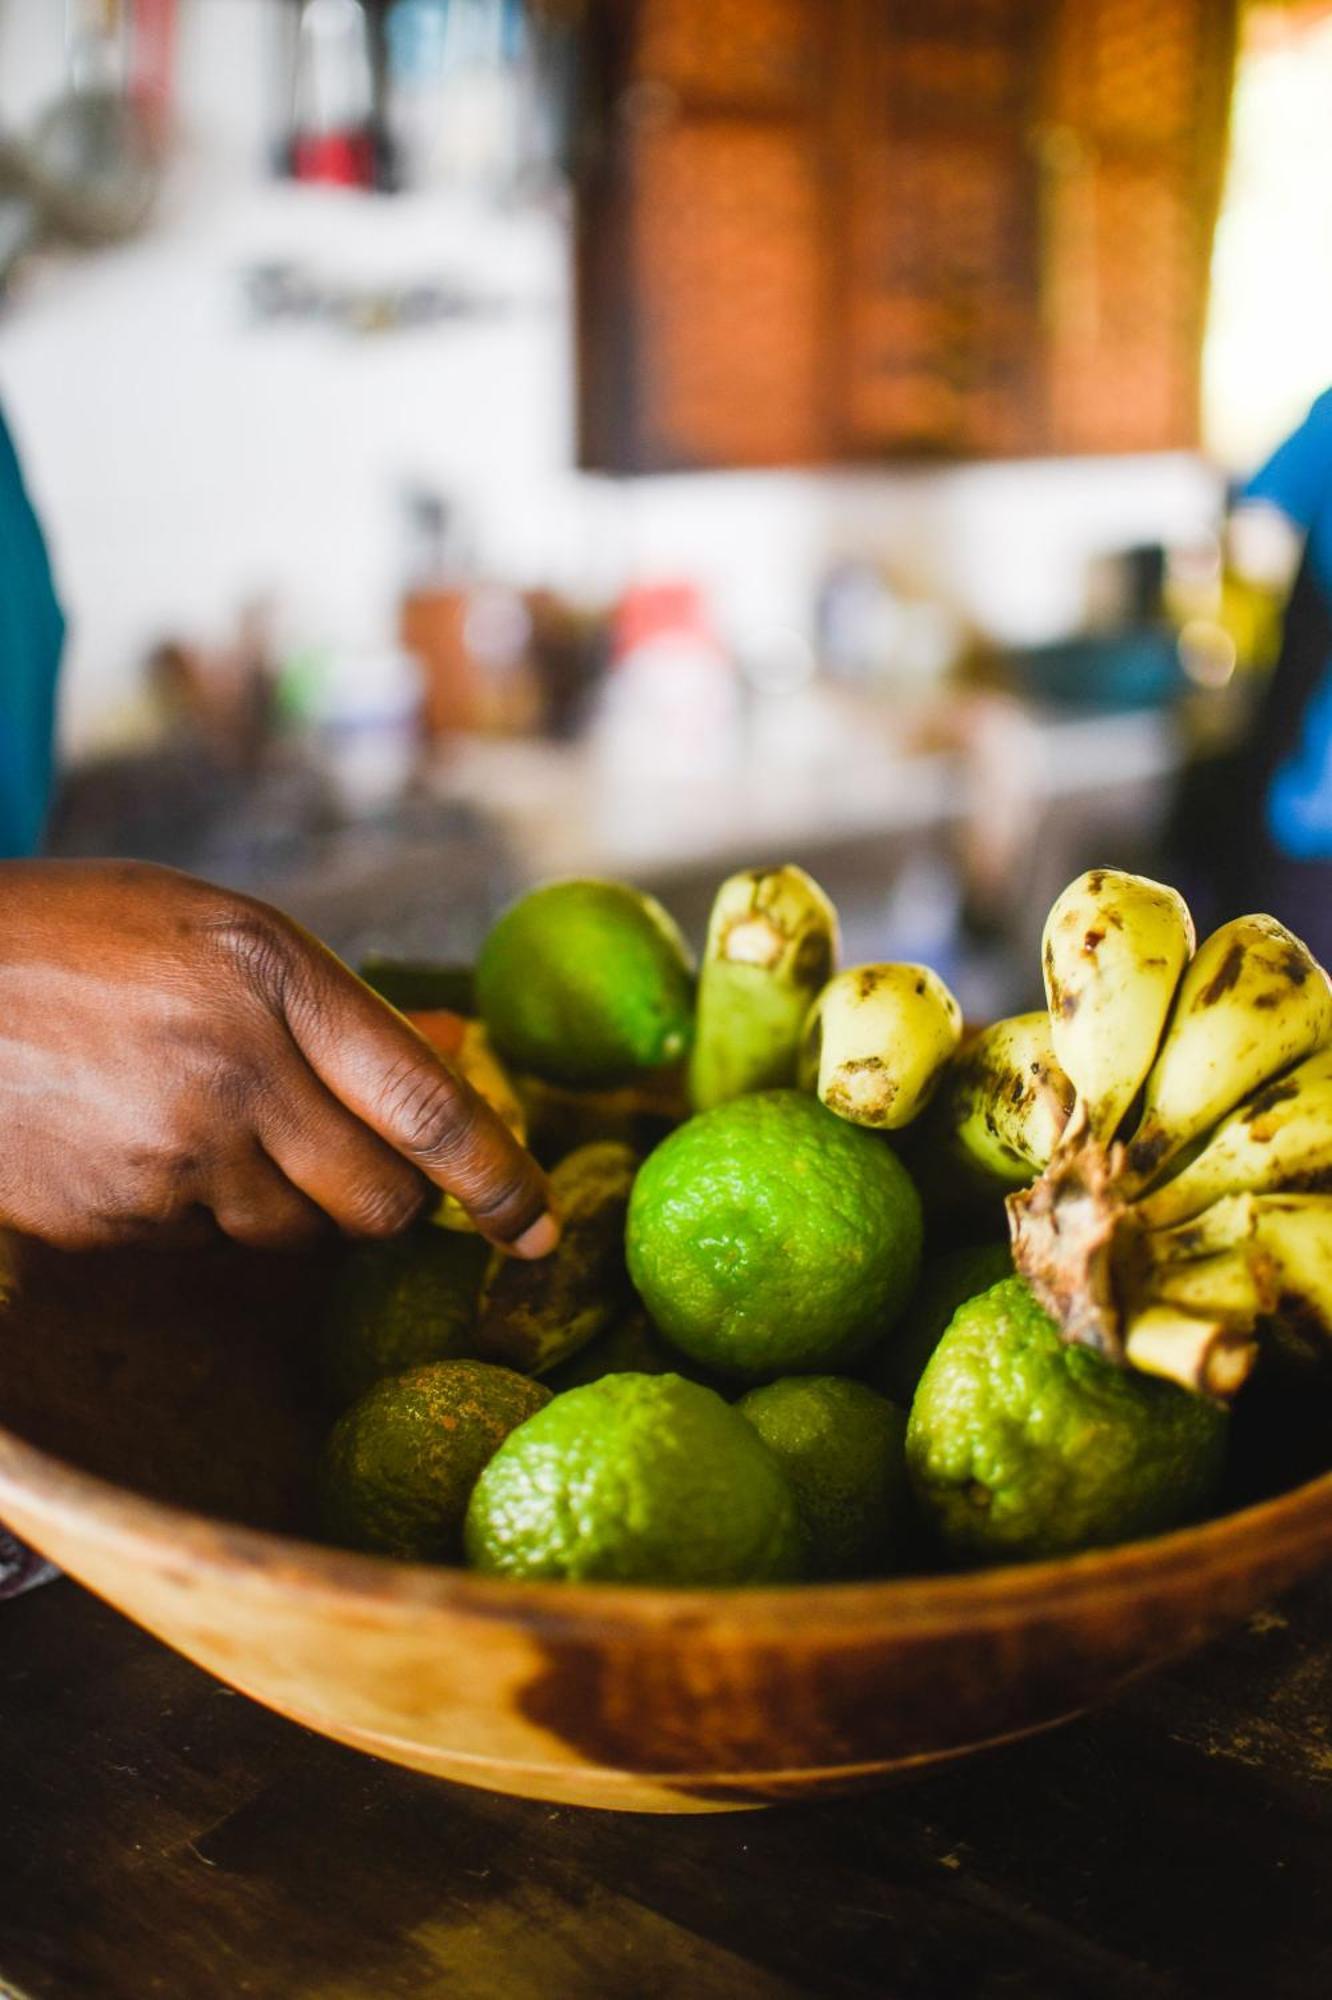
<point x="184" y="459"/>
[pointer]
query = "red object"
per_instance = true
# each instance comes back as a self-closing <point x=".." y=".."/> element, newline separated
<point x="339" y="159"/>
<point x="444" y="1031"/>
<point x="152" y="61"/>
<point x="651" y="611"/>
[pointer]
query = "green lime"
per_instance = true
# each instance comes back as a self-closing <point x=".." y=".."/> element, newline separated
<point x="398" y="1303"/>
<point x="399" y="1466"/>
<point x="843" y="1449"/>
<point x="769" y="1237"/>
<point x="946" y="1283"/>
<point x="1020" y="1444"/>
<point x="586" y="984"/>
<point x="636" y="1479"/>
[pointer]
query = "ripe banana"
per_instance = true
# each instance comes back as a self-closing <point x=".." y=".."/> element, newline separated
<point x="1253" y="1001"/>
<point x="1001" y="1105"/>
<point x="1220" y="1227"/>
<point x="1292" y="1258"/>
<point x="1235" y="1219"/>
<point x="876" y="1041"/>
<point x="1280" y="1139"/>
<point x="1112" y="952"/>
<point x="1286" y="1242"/>
<point x="1197" y="1351"/>
<point x="1222" y="1286"/>
<point x="771" y="947"/>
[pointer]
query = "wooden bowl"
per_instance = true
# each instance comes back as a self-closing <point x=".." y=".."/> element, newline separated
<point x="159" y="1433"/>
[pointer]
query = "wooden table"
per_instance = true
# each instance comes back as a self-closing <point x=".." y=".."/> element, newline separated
<point x="162" y="1836"/>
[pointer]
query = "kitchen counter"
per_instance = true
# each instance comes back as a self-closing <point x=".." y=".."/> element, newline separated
<point x="822" y="772"/>
<point x="162" y="1836"/>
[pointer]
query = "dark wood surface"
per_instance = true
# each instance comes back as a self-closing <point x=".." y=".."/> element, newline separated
<point x="162" y="1836"/>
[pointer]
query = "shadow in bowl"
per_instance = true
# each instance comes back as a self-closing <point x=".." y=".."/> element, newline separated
<point x="190" y="1379"/>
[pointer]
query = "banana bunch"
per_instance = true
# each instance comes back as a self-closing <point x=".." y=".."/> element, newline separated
<point x="1161" y="1132"/>
<point x="1178" y="1213"/>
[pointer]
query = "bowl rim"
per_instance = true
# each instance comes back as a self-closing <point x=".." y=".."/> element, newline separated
<point x="177" y="1540"/>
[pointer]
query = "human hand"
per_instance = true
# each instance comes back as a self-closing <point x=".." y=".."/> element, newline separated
<point x="177" y="1059"/>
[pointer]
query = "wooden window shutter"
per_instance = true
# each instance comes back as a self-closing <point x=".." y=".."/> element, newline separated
<point x="718" y="216"/>
<point x="1138" y="94"/>
<point x="864" y="229"/>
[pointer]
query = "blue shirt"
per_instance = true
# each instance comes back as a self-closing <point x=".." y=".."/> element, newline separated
<point x="32" y="633"/>
<point x="1297" y="478"/>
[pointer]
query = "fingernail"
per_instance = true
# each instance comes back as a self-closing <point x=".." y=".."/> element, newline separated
<point x="539" y="1240"/>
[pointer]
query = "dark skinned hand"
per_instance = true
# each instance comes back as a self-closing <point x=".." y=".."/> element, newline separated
<point x="176" y="1059"/>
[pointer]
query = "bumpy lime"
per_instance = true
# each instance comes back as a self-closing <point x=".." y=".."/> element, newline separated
<point x="769" y="1237"/>
<point x="400" y="1464"/>
<point x="843" y="1448"/>
<point x="1020" y="1445"/>
<point x="636" y="1479"/>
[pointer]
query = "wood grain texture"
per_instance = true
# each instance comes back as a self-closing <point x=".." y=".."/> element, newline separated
<point x="159" y="1836"/>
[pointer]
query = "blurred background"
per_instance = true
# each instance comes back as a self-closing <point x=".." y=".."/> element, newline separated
<point x="487" y="439"/>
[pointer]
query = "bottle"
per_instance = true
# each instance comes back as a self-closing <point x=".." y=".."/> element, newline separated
<point x="333" y="137"/>
<point x="471" y="636"/>
<point x="671" y="705"/>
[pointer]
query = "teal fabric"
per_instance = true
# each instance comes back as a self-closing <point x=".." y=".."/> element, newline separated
<point x="32" y="633"/>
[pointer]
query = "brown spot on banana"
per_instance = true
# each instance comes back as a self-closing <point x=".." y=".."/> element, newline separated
<point x="1226" y="975"/>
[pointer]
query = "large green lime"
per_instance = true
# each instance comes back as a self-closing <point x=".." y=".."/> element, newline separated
<point x="842" y="1447"/>
<point x="636" y="1479"/>
<point x="946" y="1283"/>
<point x="769" y="1237"/>
<point x="1020" y="1444"/>
<point x="399" y="1465"/>
<point x="398" y="1303"/>
<point x="586" y="984"/>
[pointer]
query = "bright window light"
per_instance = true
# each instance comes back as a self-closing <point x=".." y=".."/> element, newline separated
<point x="1268" y="350"/>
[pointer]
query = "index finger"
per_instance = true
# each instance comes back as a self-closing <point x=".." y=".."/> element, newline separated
<point x="376" y="1064"/>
